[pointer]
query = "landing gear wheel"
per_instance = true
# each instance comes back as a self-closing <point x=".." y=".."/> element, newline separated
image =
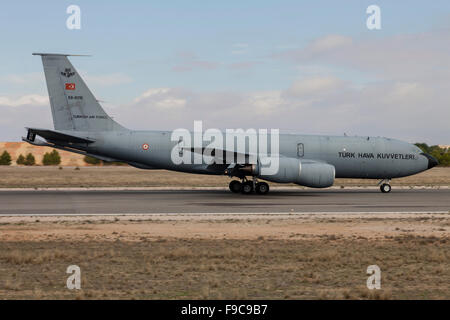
<point x="385" y="188"/>
<point x="247" y="187"/>
<point x="235" y="186"/>
<point x="262" y="188"/>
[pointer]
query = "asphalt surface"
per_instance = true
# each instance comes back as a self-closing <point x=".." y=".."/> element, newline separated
<point x="133" y="202"/>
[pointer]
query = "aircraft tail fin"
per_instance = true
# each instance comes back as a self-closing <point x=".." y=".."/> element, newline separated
<point x="73" y="105"/>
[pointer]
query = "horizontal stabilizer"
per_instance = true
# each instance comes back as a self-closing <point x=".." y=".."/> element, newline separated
<point x="52" y="135"/>
<point x="60" y="54"/>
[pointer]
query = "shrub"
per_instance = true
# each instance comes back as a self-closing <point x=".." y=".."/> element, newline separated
<point x="441" y="154"/>
<point x="29" y="160"/>
<point x="5" y="159"/>
<point x="92" y="160"/>
<point x="51" y="159"/>
<point x="20" y="160"/>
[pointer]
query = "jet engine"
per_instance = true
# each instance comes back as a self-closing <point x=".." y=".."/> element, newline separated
<point x="305" y="173"/>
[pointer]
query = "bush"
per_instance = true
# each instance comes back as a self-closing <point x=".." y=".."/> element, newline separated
<point x="51" y="159"/>
<point x="442" y="155"/>
<point x="29" y="160"/>
<point x="20" y="160"/>
<point x="92" y="160"/>
<point x="5" y="159"/>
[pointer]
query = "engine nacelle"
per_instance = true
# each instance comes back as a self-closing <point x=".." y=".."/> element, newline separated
<point x="304" y="173"/>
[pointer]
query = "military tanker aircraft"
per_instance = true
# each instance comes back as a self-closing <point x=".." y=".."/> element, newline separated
<point x="82" y="126"/>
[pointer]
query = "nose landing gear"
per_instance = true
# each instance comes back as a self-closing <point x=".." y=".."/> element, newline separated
<point x="385" y="186"/>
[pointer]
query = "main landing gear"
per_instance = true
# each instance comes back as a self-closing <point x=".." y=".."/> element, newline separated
<point x="249" y="186"/>
<point x="385" y="187"/>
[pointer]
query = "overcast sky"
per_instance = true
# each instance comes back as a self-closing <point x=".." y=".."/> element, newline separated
<point x="309" y="67"/>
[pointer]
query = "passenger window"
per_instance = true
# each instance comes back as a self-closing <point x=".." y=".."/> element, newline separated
<point x="300" y="150"/>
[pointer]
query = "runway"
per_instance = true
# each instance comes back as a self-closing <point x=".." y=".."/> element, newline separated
<point x="213" y="201"/>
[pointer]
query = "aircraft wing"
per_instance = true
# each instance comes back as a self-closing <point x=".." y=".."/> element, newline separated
<point x="225" y="156"/>
<point x="52" y="135"/>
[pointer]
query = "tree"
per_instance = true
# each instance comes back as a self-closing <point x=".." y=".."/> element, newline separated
<point x="445" y="159"/>
<point x="425" y="148"/>
<point x="20" y="160"/>
<point x="51" y="159"/>
<point x="92" y="160"/>
<point x="5" y="159"/>
<point x="29" y="160"/>
<point x="442" y="155"/>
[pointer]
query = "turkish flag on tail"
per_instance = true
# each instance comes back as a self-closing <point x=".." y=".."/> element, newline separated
<point x="70" y="86"/>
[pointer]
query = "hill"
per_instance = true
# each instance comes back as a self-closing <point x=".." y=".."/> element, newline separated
<point x="17" y="148"/>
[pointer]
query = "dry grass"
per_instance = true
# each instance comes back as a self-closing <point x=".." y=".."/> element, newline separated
<point x="227" y="269"/>
<point x="241" y="258"/>
<point x="17" y="177"/>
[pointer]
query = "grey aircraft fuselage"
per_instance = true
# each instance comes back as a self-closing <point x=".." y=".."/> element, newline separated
<point x="352" y="157"/>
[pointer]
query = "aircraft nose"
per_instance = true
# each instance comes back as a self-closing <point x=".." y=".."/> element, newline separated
<point x="432" y="161"/>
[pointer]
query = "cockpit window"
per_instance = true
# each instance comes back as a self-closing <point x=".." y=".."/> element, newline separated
<point x="416" y="149"/>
